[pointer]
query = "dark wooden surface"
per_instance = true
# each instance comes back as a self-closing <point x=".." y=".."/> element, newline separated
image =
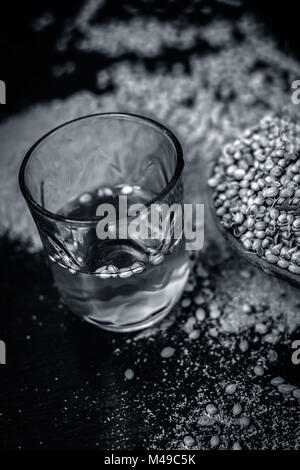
<point x="64" y="385"/>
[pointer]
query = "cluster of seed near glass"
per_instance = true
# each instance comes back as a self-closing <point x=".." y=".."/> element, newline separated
<point x="256" y="191"/>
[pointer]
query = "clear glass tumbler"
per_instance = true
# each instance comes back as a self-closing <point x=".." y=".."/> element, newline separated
<point x="116" y="284"/>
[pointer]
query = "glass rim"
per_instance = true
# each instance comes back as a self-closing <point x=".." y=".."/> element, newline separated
<point x="52" y="215"/>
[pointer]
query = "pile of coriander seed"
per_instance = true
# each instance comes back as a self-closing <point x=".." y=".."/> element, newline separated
<point x="256" y="191"/>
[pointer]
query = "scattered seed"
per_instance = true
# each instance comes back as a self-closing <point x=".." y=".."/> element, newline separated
<point x="167" y="352"/>
<point x="236" y="446"/>
<point x="188" y="441"/>
<point x="277" y="381"/>
<point x="189" y="325"/>
<point x="200" y="314"/>
<point x="244" y="345"/>
<point x="189" y="287"/>
<point x="230" y="389"/>
<point x="259" y="371"/>
<point x="186" y="303"/>
<point x="211" y="409"/>
<point x="214" y="313"/>
<point x="237" y="409"/>
<point x="296" y="393"/>
<point x="244" y="421"/>
<point x="213" y="332"/>
<point x="214" y="442"/>
<point x="199" y="299"/>
<point x="271" y="338"/>
<point x="129" y="374"/>
<point x="272" y="355"/>
<point x="201" y="272"/>
<point x="285" y="389"/>
<point x="194" y="334"/>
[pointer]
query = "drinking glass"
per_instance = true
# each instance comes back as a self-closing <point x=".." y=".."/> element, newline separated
<point x="116" y="284"/>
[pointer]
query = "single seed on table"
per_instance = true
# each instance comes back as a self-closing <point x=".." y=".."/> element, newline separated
<point x="271" y="338"/>
<point x="167" y="352"/>
<point x="214" y="313"/>
<point x="201" y="272"/>
<point x="194" y="334"/>
<point x="244" y="421"/>
<point x="200" y="314"/>
<point x="272" y="355"/>
<point x="296" y="393"/>
<point x="189" y="287"/>
<point x="214" y="442"/>
<point x="186" y="302"/>
<point x="236" y="446"/>
<point x="277" y="381"/>
<point x="230" y="389"/>
<point x="213" y="332"/>
<point x="259" y="371"/>
<point x="285" y="389"/>
<point x="237" y="409"/>
<point x="189" y="325"/>
<point x="129" y="374"/>
<point x="211" y="409"/>
<point x="244" y="345"/>
<point x="188" y="441"/>
<point x="199" y="299"/>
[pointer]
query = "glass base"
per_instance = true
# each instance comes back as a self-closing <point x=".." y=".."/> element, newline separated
<point x="155" y="318"/>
